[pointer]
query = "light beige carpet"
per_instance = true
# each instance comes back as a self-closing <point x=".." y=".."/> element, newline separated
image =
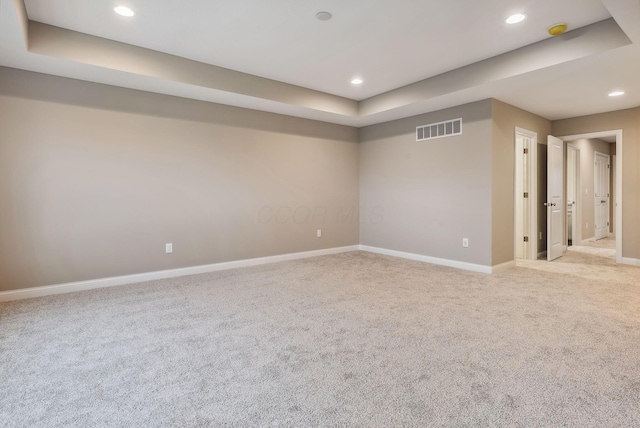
<point x="354" y="339"/>
<point x="596" y="261"/>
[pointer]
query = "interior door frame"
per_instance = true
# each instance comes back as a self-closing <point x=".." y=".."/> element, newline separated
<point x="532" y="232"/>
<point x="613" y="199"/>
<point x="595" y="179"/>
<point x="577" y="210"/>
<point x="618" y="190"/>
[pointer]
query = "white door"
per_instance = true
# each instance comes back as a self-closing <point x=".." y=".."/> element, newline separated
<point x="601" y="195"/>
<point x="526" y="230"/>
<point x="522" y="194"/>
<point x="555" y="197"/>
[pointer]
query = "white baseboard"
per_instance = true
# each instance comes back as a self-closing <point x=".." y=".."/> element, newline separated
<point x="587" y="241"/>
<point x="47" y="290"/>
<point x="630" y="261"/>
<point x="428" y="259"/>
<point x="542" y="255"/>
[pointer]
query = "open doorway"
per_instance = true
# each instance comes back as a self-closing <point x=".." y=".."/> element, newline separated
<point x="573" y="194"/>
<point x="583" y="185"/>
<point x="594" y="190"/>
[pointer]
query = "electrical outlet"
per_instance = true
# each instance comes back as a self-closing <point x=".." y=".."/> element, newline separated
<point x="168" y="248"/>
<point x="319" y="233"/>
<point x="465" y="242"/>
<point x="541" y="236"/>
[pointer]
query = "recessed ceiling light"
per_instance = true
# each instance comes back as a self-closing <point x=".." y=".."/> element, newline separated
<point x="616" y="93"/>
<point x="323" y="16"/>
<point x="357" y="81"/>
<point x="514" y="19"/>
<point x="124" y="11"/>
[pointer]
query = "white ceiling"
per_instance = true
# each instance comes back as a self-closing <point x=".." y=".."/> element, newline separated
<point x="388" y="44"/>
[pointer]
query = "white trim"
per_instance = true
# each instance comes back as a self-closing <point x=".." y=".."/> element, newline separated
<point x="619" y="196"/>
<point x="503" y="266"/>
<point x="47" y="290"/>
<point x="629" y="261"/>
<point x="533" y="190"/>
<point x="588" y="240"/>
<point x="542" y="254"/>
<point x="428" y="259"/>
<point x="613" y="196"/>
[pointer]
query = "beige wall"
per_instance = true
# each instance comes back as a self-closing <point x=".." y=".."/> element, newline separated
<point x="424" y="197"/>
<point x="505" y="119"/>
<point x="629" y="122"/>
<point x="94" y="180"/>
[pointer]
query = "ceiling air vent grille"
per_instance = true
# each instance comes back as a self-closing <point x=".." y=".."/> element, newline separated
<point x="439" y="130"/>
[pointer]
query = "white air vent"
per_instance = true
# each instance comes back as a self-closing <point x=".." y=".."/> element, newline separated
<point x="439" y="130"/>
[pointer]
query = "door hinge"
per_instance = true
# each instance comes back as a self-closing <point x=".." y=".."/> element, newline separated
<point x="526" y="239"/>
<point x="526" y="151"/>
<point x="607" y="223"/>
<point x="526" y="194"/>
<point x="607" y="165"/>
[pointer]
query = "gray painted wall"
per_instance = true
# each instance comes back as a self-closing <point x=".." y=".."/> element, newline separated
<point x="424" y="197"/>
<point x="96" y="179"/>
<point x="429" y="195"/>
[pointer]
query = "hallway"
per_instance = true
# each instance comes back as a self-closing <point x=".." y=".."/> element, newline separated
<point x="597" y="260"/>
